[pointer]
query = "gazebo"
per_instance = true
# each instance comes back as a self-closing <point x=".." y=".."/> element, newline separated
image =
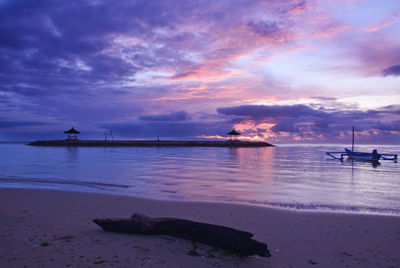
<point x="233" y="135"/>
<point x="72" y="134"/>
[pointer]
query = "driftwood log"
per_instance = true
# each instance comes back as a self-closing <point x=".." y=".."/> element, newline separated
<point x="236" y="241"/>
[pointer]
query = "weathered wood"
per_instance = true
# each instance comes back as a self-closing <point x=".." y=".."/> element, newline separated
<point x="236" y="241"/>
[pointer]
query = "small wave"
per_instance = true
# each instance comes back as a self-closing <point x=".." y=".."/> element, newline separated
<point x="64" y="182"/>
<point x="330" y="207"/>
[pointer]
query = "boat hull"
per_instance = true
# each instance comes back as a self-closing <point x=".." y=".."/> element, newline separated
<point x="362" y="156"/>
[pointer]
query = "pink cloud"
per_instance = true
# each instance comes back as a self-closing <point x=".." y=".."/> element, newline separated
<point x="205" y="53"/>
<point x="380" y="26"/>
<point x="331" y="31"/>
<point x="242" y="31"/>
<point x="229" y="45"/>
<point x="353" y="1"/>
<point x="377" y="55"/>
<point x="307" y="123"/>
<point x="319" y="23"/>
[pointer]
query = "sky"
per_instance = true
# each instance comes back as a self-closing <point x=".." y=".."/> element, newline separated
<point x="279" y="71"/>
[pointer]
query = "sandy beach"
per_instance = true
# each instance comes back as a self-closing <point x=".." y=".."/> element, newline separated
<point x="44" y="228"/>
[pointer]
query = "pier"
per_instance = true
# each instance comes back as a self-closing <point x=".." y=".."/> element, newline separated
<point x="148" y="143"/>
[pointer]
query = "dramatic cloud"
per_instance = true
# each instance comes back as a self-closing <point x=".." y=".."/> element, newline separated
<point x="166" y="66"/>
<point x="88" y="47"/>
<point x="305" y="122"/>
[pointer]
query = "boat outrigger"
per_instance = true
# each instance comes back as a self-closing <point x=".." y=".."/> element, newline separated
<point x="351" y="155"/>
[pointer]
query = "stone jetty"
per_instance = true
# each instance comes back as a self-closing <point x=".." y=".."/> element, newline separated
<point x="148" y="143"/>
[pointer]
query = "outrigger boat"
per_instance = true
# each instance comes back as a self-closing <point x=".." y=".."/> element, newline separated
<point x="351" y="155"/>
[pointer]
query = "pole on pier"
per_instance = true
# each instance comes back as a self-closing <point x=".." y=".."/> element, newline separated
<point x="352" y="142"/>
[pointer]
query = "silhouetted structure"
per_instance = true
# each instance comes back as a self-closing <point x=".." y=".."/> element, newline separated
<point x="233" y="135"/>
<point x="108" y="135"/>
<point x="74" y="141"/>
<point x="72" y="134"/>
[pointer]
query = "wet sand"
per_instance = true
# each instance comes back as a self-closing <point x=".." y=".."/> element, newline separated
<point x="45" y="228"/>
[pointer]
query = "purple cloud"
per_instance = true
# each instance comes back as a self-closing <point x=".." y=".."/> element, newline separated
<point x="168" y="129"/>
<point x="102" y="63"/>
<point x="393" y="70"/>
<point x="53" y="46"/>
<point x="376" y="58"/>
<point x="264" y="28"/>
<point x="258" y="112"/>
<point x="12" y="124"/>
<point x="176" y="116"/>
<point x="79" y="60"/>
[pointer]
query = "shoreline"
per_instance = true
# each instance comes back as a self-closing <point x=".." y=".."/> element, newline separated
<point x="289" y="207"/>
<point x="294" y="207"/>
<point x="63" y="219"/>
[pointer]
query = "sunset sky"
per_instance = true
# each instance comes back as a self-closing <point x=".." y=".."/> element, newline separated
<point x="276" y="70"/>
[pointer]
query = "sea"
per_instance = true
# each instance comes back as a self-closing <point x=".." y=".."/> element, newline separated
<point x="288" y="176"/>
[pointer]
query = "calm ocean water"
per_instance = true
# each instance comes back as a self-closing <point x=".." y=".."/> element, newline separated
<point x="288" y="176"/>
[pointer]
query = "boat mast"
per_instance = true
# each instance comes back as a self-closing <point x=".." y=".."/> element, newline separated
<point x="352" y="143"/>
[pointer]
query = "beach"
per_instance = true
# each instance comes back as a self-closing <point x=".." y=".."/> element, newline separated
<point x="47" y="228"/>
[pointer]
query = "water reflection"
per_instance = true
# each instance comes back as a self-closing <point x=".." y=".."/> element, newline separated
<point x="287" y="176"/>
<point x="72" y="153"/>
